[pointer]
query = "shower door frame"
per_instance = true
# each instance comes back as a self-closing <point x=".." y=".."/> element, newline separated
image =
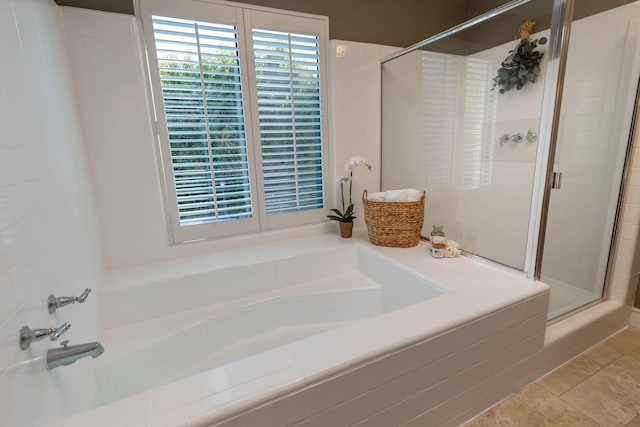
<point x="562" y="16"/>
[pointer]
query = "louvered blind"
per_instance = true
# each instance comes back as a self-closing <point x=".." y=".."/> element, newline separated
<point x="438" y="112"/>
<point x="480" y="104"/>
<point x="287" y="67"/>
<point x="201" y="86"/>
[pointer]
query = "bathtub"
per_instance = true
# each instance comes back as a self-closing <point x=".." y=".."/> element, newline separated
<point x="307" y="332"/>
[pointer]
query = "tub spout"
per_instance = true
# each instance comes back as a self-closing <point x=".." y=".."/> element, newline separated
<point x="68" y="354"/>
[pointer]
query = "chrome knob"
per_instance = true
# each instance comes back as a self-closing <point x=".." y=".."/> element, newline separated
<point x="28" y="335"/>
<point x="54" y="303"/>
<point x="517" y="138"/>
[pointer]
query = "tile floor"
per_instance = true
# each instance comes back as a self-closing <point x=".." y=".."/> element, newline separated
<point x="601" y="387"/>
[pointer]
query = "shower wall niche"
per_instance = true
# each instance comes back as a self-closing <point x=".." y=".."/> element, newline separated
<point x="480" y="153"/>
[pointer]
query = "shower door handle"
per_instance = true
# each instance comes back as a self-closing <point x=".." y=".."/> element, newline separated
<point x="556" y="180"/>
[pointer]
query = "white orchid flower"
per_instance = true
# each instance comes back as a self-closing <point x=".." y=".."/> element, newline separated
<point x="356" y="161"/>
<point x="342" y="179"/>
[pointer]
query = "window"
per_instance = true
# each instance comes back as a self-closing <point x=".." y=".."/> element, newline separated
<point x="241" y="116"/>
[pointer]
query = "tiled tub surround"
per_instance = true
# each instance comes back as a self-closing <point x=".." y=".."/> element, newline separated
<point x="362" y="335"/>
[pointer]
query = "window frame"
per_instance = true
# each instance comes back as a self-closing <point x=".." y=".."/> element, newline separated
<point x="244" y="18"/>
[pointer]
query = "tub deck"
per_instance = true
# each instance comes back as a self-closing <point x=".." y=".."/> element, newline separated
<point x="323" y="329"/>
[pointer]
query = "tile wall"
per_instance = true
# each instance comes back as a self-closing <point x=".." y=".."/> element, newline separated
<point x="354" y="71"/>
<point x="116" y="77"/>
<point x="441" y="381"/>
<point x="49" y="241"/>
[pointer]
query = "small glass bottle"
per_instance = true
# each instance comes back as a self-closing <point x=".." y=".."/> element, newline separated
<point x="438" y="241"/>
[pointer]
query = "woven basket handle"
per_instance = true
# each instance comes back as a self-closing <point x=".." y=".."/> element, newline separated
<point x="364" y="196"/>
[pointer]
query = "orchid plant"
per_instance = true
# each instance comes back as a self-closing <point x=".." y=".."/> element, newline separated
<point x="346" y="214"/>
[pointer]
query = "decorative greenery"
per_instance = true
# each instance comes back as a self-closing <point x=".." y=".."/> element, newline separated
<point x="522" y="66"/>
<point x="346" y="214"/>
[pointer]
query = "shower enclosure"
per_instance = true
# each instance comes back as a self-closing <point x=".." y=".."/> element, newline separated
<point x="526" y="173"/>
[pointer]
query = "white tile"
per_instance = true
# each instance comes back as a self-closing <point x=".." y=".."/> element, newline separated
<point x="475" y="353"/>
<point x="8" y="302"/>
<point x="473" y="331"/>
<point x="260" y="365"/>
<point x="282" y="412"/>
<point x="173" y="396"/>
<point x="127" y="412"/>
<point x="436" y="416"/>
<point x="536" y="305"/>
<point x="507" y="317"/>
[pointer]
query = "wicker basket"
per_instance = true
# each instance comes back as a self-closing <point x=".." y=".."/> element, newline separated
<point x="395" y="224"/>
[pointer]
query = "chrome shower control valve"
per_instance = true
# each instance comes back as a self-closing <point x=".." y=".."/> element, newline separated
<point x="28" y="335"/>
<point x="55" y="303"/>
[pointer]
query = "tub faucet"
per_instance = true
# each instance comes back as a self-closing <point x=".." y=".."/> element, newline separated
<point x="55" y="303"/>
<point x="68" y="354"/>
<point x="28" y="335"/>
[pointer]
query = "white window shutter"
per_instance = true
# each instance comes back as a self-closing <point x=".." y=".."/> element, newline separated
<point x="201" y="86"/>
<point x="241" y="116"/>
<point x="288" y="82"/>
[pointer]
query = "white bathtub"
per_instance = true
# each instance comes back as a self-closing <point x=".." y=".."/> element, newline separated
<point x="201" y="341"/>
<point x="209" y="319"/>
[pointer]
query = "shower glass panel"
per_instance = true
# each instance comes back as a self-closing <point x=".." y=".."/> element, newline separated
<point x="447" y="130"/>
<point x="599" y="91"/>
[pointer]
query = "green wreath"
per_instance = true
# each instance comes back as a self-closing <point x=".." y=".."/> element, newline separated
<point x="522" y="66"/>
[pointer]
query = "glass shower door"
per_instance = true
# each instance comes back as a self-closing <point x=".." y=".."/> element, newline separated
<point x="446" y="129"/>
<point x="599" y="91"/>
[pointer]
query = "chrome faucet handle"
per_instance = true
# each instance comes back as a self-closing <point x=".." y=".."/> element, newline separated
<point x="55" y="303"/>
<point x="61" y="330"/>
<point x="83" y="296"/>
<point x="28" y="335"/>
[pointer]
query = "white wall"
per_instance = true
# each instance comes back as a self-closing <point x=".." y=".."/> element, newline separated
<point x="48" y="237"/>
<point x="121" y="145"/>
<point x="354" y="71"/>
<point x="106" y="58"/>
<point x="48" y="233"/>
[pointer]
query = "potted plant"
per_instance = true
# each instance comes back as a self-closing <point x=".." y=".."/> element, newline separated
<point x="345" y="216"/>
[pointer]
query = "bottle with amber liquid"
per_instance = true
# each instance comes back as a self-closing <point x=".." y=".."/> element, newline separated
<point x="438" y="242"/>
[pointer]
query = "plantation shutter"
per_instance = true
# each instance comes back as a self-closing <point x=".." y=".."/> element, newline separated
<point x="240" y="114"/>
<point x="480" y="105"/>
<point x="438" y="112"/>
<point x="201" y="86"/>
<point x="288" y="82"/>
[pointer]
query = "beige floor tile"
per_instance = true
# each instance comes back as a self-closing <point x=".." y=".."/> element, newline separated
<point x="627" y="342"/>
<point x="603" y="354"/>
<point x="611" y="396"/>
<point x="567" y="376"/>
<point x="534" y="406"/>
